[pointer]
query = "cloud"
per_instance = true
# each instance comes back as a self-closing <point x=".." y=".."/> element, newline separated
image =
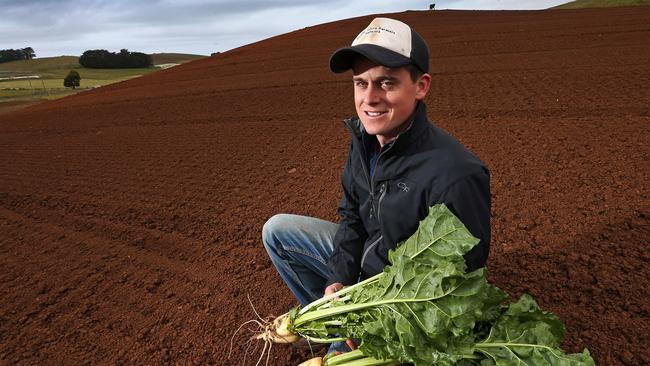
<point x="499" y="4"/>
<point x="57" y="27"/>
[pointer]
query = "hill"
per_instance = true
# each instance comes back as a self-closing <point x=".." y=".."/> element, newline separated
<point x="47" y="67"/>
<point x="131" y="215"/>
<point x="173" y="58"/>
<point x="581" y="4"/>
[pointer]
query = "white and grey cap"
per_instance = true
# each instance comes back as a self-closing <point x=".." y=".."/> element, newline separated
<point x="387" y="42"/>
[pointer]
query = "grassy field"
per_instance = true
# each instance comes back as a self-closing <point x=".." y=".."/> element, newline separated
<point x="578" y="4"/>
<point x="52" y="70"/>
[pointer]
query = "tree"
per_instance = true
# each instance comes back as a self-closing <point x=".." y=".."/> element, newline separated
<point x="29" y="53"/>
<point x="72" y="79"/>
<point x="102" y="59"/>
<point x="26" y="53"/>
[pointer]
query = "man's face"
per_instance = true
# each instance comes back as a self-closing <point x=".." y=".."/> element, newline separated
<point x="385" y="98"/>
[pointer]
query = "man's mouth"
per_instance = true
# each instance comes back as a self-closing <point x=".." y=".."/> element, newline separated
<point x="374" y="114"/>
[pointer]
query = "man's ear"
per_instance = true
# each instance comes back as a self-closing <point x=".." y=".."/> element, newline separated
<point x="422" y="86"/>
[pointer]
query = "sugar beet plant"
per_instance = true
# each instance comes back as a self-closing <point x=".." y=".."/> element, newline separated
<point x="425" y="309"/>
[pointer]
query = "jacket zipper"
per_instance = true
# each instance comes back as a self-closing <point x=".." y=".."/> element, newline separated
<point x="365" y="253"/>
<point x="372" y="188"/>
<point x="373" y="212"/>
<point x="382" y="190"/>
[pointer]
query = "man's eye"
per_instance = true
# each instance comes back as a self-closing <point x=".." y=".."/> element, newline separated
<point x="386" y="84"/>
<point x="360" y="84"/>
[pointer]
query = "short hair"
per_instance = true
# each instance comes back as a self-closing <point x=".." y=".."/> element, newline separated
<point x="414" y="71"/>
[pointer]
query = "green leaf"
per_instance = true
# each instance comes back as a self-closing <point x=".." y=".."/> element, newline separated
<point x="440" y="235"/>
<point x="526" y="335"/>
<point x="419" y="303"/>
<point x="424" y="309"/>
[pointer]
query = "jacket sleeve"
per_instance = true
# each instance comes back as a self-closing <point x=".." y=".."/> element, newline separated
<point x="345" y="262"/>
<point x="469" y="199"/>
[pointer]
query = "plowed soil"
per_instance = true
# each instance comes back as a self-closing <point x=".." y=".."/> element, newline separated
<point x="130" y="215"/>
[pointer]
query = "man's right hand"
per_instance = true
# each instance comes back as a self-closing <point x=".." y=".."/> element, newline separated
<point x="330" y="290"/>
<point x="333" y="288"/>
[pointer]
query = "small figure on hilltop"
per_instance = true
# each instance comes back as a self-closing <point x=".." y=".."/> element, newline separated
<point x="72" y="79"/>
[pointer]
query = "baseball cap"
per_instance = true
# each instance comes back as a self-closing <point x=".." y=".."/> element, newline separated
<point x="386" y="41"/>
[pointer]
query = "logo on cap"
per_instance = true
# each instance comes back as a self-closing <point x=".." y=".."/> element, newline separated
<point x="388" y="33"/>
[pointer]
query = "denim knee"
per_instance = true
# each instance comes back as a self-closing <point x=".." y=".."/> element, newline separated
<point x="271" y="229"/>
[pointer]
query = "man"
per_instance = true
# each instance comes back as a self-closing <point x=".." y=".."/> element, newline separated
<point x="398" y="166"/>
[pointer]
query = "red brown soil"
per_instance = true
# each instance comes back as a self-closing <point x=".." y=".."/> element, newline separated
<point x="13" y="105"/>
<point x="130" y="215"/>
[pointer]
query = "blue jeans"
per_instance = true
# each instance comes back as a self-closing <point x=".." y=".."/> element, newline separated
<point x="299" y="247"/>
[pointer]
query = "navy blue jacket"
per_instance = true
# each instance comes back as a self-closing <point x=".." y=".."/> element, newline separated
<point x="422" y="167"/>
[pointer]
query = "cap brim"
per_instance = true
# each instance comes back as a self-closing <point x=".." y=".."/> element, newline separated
<point x="343" y="58"/>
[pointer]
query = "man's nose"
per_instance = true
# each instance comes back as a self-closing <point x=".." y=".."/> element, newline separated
<point x="372" y="94"/>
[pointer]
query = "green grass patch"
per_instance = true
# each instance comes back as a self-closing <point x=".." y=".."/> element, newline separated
<point x="58" y="68"/>
<point x="52" y="70"/>
<point x="56" y="83"/>
<point x="46" y="67"/>
<point x="580" y="4"/>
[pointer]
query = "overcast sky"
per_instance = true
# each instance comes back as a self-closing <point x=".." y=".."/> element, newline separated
<point x="68" y="27"/>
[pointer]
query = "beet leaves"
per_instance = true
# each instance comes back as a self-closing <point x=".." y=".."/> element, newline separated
<point x="425" y="309"/>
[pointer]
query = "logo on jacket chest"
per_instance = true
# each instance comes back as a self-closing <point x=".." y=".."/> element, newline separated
<point x="403" y="186"/>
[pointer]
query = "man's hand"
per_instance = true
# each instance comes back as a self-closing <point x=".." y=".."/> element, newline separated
<point x="351" y="344"/>
<point x="333" y="288"/>
<point x="330" y="290"/>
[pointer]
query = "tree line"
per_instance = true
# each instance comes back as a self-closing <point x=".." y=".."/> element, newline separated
<point x="26" y="53"/>
<point x="102" y="59"/>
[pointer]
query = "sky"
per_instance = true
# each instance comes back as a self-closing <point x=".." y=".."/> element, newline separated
<point x="69" y="27"/>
